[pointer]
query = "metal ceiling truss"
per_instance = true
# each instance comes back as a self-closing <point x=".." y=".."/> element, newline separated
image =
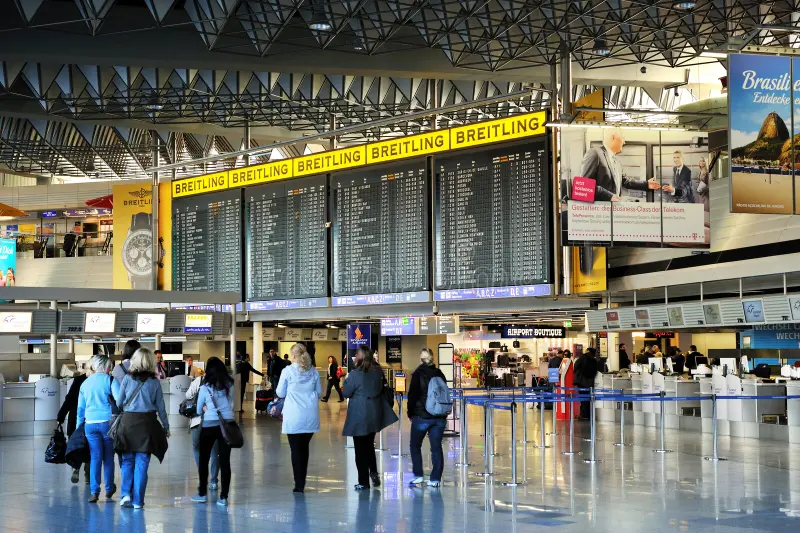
<point x="482" y="34"/>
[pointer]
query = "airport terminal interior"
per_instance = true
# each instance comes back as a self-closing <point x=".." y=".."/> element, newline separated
<point x="547" y="246"/>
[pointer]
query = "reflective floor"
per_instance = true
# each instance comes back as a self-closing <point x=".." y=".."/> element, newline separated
<point x="633" y="489"/>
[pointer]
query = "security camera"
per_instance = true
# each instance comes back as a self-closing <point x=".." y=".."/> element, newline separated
<point x="436" y="309"/>
<point x="643" y="70"/>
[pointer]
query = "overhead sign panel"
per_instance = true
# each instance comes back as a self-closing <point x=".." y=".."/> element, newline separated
<point x="278" y="170"/>
<point x="329" y="161"/>
<point x="505" y="129"/>
<point x="413" y="146"/>
<point x="16" y="322"/>
<point x="197" y="323"/>
<point x="100" y="322"/>
<point x="200" y="184"/>
<point x="150" y="322"/>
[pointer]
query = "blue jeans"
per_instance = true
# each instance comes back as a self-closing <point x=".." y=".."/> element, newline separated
<point x="434" y="428"/>
<point x="214" y="453"/>
<point x="101" y="448"/>
<point x="134" y="475"/>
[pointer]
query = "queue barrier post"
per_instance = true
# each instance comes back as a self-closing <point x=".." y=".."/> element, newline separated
<point x="571" y="450"/>
<point x="592" y="432"/>
<point x="621" y="421"/>
<point x="554" y="429"/>
<point x="464" y="455"/>
<point x="492" y="451"/>
<point x="513" y="482"/>
<point x="400" y="453"/>
<point x="663" y="448"/>
<point x="716" y="456"/>
<point x="542" y="444"/>
<point x="524" y="420"/>
<point x="487" y="430"/>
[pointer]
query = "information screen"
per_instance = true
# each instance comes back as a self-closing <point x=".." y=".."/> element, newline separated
<point x="206" y="242"/>
<point x="493" y="223"/>
<point x="380" y="235"/>
<point x="100" y="322"/>
<point x="16" y="322"/>
<point x="198" y="323"/>
<point x="286" y="241"/>
<point x="150" y="322"/>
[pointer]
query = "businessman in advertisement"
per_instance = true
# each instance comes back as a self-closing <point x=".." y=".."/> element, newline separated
<point x="681" y="188"/>
<point x="602" y="165"/>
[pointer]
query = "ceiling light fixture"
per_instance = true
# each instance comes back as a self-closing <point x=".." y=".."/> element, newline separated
<point x="686" y="5"/>
<point x="601" y="48"/>
<point x="319" y="22"/>
<point x="713" y="55"/>
<point x="358" y="44"/>
<point x="154" y="104"/>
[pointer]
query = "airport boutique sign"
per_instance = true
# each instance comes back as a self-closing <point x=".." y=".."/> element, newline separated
<point x="763" y="130"/>
<point x="518" y="332"/>
<point x="424" y="144"/>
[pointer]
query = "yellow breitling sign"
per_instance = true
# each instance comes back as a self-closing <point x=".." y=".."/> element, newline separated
<point x="200" y="184"/>
<point x="424" y="144"/>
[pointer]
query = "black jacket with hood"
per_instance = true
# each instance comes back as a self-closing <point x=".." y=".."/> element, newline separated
<point x="418" y="390"/>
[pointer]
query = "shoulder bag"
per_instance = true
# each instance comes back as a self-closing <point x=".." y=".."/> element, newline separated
<point x="188" y="408"/>
<point x="116" y="420"/>
<point x="231" y="431"/>
<point x="388" y="393"/>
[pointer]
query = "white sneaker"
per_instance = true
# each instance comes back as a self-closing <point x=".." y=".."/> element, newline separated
<point x="435" y="484"/>
<point x="137" y="506"/>
<point x="125" y="501"/>
<point x="222" y="502"/>
<point x="199" y="499"/>
<point x="417" y="481"/>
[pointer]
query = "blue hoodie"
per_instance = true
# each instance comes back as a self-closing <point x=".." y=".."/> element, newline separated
<point x="95" y="397"/>
<point x="301" y="391"/>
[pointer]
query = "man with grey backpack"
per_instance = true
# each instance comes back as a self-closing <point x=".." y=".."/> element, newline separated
<point x="429" y="403"/>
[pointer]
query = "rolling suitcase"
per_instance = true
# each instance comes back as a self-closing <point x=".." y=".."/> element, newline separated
<point x="263" y="397"/>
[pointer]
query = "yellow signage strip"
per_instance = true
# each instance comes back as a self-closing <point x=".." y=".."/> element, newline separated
<point x="424" y="144"/>
<point x="200" y="184"/>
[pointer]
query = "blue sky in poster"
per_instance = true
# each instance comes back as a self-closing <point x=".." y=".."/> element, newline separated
<point x="747" y="113"/>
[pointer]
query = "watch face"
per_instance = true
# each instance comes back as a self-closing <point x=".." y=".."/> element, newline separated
<point x="137" y="254"/>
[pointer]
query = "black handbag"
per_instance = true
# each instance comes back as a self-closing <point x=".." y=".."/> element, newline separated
<point x="231" y="431"/>
<point x="388" y="394"/>
<point x="188" y="408"/>
<point x="57" y="449"/>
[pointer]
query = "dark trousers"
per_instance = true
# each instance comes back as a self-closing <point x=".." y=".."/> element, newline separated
<point x="585" y="409"/>
<point x="333" y="384"/>
<point x="434" y="428"/>
<point x="208" y="436"/>
<point x="365" y="457"/>
<point x="298" y="442"/>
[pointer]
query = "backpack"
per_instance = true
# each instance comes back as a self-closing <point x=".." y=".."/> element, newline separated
<point x="438" y="402"/>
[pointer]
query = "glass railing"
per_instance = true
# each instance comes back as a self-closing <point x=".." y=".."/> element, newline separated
<point x="72" y="244"/>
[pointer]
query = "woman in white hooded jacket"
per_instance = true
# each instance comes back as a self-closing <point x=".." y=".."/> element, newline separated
<point x="300" y="388"/>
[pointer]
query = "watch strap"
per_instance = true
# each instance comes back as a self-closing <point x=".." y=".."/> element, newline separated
<point x="141" y="221"/>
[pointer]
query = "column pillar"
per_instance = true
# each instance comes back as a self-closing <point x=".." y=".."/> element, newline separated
<point x="158" y="341"/>
<point x="53" y="348"/>
<point x="155" y="247"/>
<point x="258" y="349"/>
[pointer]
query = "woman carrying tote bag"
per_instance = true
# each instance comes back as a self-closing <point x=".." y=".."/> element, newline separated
<point x="368" y="412"/>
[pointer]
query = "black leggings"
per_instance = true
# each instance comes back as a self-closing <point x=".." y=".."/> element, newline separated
<point x="334" y="383"/>
<point x="298" y="442"/>
<point x="208" y="436"/>
<point x="365" y="457"/>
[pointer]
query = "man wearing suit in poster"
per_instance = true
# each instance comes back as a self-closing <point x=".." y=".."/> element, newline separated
<point x="602" y="165"/>
<point x="681" y="189"/>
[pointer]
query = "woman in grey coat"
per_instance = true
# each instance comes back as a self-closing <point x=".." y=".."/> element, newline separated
<point x="368" y="412"/>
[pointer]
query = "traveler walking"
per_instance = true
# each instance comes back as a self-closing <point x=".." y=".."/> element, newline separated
<point x="428" y="406"/>
<point x="275" y="366"/>
<point x="367" y="413"/>
<point x="95" y="406"/>
<point x="333" y="379"/>
<point x="70" y="407"/>
<point x="300" y="387"/>
<point x="584" y="374"/>
<point x="215" y="401"/>
<point x="121" y="369"/>
<point x="244" y="369"/>
<point x="195" y="426"/>
<point x="140" y="435"/>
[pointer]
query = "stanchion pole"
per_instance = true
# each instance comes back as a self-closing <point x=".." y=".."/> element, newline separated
<point x="663" y="448"/>
<point x="486" y="441"/>
<point x="400" y="453"/>
<point x="513" y="482"/>
<point x="621" y="421"/>
<point x="524" y="419"/>
<point x="554" y="431"/>
<point x="464" y="455"/>
<point x="542" y="444"/>
<point x="592" y="430"/>
<point x="571" y="450"/>
<point x="716" y="456"/>
<point x="493" y="451"/>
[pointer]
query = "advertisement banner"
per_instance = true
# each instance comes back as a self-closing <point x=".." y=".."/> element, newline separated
<point x="593" y="99"/>
<point x="8" y="262"/>
<point x="394" y="350"/>
<point x="357" y="335"/>
<point x="133" y="231"/>
<point x="760" y="111"/>
<point x="651" y="191"/>
<point x="589" y="269"/>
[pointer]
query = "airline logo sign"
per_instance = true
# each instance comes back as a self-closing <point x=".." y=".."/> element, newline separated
<point x="505" y="129"/>
<point x="478" y="134"/>
<point x="278" y="170"/>
<point x="200" y="184"/>
<point x="329" y="161"/>
<point x="404" y="147"/>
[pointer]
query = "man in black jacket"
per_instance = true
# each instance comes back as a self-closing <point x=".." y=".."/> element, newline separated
<point x="584" y="374"/>
<point x="691" y="357"/>
<point x="624" y="360"/>
<point x="422" y="422"/>
<point x="244" y="368"/>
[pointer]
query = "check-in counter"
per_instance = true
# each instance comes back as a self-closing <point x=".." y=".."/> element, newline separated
<point x="30" y="408"/>
<point x="176" y="393"/>
<point x="793" y="411"/>
<point x="682" y="414"/>
<point x="763" y="418"/>
<point x="636" y="388"/>
<point x="610" y="410"/>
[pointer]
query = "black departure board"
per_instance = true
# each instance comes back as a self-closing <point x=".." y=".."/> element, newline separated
<point x="381" y="233"/>
<point x="207" y="242"/>
<point x="493" y="222"/>
<point x="286" y="244"/>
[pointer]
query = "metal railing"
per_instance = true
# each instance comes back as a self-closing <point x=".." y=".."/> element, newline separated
<point x="63" y="244"/>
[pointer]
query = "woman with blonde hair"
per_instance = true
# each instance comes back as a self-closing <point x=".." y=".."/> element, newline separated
<point x="300" y="388"/>
<point x="140" y="435"/>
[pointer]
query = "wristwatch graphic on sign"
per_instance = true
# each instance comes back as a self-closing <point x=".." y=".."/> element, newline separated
<point x="137" y="251"/>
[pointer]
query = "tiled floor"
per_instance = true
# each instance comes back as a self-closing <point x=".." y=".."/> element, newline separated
<point x="632" y="490"/>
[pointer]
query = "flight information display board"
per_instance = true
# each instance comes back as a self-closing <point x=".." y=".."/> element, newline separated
<point x="207" y="243"/>
<point x="286" y="244"/>
<point x="381" y="235"/>
<point x="493" y="223"/>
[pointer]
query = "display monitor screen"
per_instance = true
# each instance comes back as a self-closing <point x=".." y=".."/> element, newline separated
<point x="675" y="315"/>
<point x="612" y="319"/>
<point x="643" y="318"/>
<point x="150" y="322"/>
<point x="100" y="322"/>
<point x="16" y="322"/>
<point x="197" y="323"/>
<point x="753" y="311"/>
<point x="712" y="313"/>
